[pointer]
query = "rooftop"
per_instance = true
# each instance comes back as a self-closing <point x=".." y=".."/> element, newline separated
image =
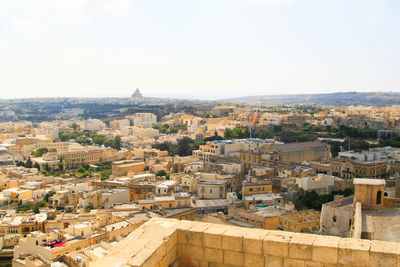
<point x="366" y="181"/>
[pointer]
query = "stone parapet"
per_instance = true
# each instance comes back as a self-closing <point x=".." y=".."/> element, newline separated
<point x="164" y="242"/>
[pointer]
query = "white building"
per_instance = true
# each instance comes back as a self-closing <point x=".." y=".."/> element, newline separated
<point x="115" y="196"/>
<point x="166" y="186"/>
<point x="145" y="120"/>
<point x="322" y="183"/>
<point x="93" y="125"/>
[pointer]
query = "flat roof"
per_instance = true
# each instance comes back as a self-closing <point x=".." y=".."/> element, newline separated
<point x="367" y="181"/>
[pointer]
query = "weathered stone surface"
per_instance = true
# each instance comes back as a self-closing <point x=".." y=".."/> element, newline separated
<point x="383" y="253"/>
<point x="293" y="262"/>
<point x="277" y="244"/>
<point x="354" y="251"/>
<point x="233" y="258"/>
<point x="193" y="252"/>
<point x="252" y="260"/>
<point x="253" y="241"/>
<point x="326" y="249"/>
<point x="272" y="261"/>
<point x="196" y="234"/>
<point x="313" y="264"/>
<point x="160" y="242"/>
<point x="300" y="246"/>
<point x="214" y="255"/>
<point x="213" y="236"/>
<point x="233" y="239"/>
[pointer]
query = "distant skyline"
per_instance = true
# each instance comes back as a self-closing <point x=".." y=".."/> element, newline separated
<point x="208" y="49"/>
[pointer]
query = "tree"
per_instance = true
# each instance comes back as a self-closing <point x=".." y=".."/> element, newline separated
<point x="46" y="197"/>
<point x="161" y="173"/>
<point x="20" y="164"/>
<point x="37" y="166"/>
<point x="117" y="141"/>
<point x="74" y="126"/>
<point x="184" y="146"/>
<point x="28" y="163"/>
<point x="40" y="151"/>
<point x="105" y="174"/>
<point x="60" y="166"/>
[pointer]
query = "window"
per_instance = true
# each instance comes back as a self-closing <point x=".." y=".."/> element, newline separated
<point x="210" y="190"/>
<point x="334" y="218"/>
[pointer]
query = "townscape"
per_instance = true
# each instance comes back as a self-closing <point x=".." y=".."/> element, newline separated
<point x="75" y="183"/>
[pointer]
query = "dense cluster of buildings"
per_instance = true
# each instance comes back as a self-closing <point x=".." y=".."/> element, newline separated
<point x="71" y="203"/>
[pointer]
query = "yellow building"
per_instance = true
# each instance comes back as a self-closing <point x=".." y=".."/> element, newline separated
<point x="18" y="194"/>
<point x="301" y="221"/>
<point x="250" y="158"/>
<point x="138" y="190"/>
<point x="349" y="169"/>
<point x="165" y="202"/>
<point x="301" y="172"/>
<point x="256" y="187"/>
<point x="181" y="213"/>
<point x="87" y="156"/>
<point x="8" y="183"/>
<point x="22" y="224"/>
<point x="123" y="167"/>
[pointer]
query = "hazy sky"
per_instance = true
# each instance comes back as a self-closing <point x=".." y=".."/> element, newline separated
<point x="197" y="48"/>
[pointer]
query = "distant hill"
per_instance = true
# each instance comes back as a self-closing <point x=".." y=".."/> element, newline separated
<point x="332" y="99"/>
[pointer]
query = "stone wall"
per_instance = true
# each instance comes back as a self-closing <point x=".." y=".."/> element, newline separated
<point x="391" y="202"/>
<point x="161" y="242"/>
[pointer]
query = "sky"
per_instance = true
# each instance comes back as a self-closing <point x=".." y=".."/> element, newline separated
<point x="204" y="49"/>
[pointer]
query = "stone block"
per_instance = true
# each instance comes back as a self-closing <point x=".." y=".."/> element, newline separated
<point x="326" y="249"/>
<point x="253" y="241"/>
<point x="277" y="244"/>
<point x="213" y="237"/>
<point x="169" y="258"/>
<point x="293" y="262"/>
<point x="171" y="241"/>
<point x="253" y="260"/>
<point x="196" y="234"/>
<point x="145" y="257"/>
<point x="300" y="246"/>
<point x="159" y="248"/>
<point x="383" y="253"/>
<point x="213" y="255"/>
<point x="216" y="264"/>
<point x="313" y="264"/>
<point x="182" y="236"/>
<point x="272" y="261"/>
<point x="233" y="239"/>
<point x="233" y="258"/>
<point x="172" y="255"/>
<point x="192" y="252"/>
<point x="354" y="251"/>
